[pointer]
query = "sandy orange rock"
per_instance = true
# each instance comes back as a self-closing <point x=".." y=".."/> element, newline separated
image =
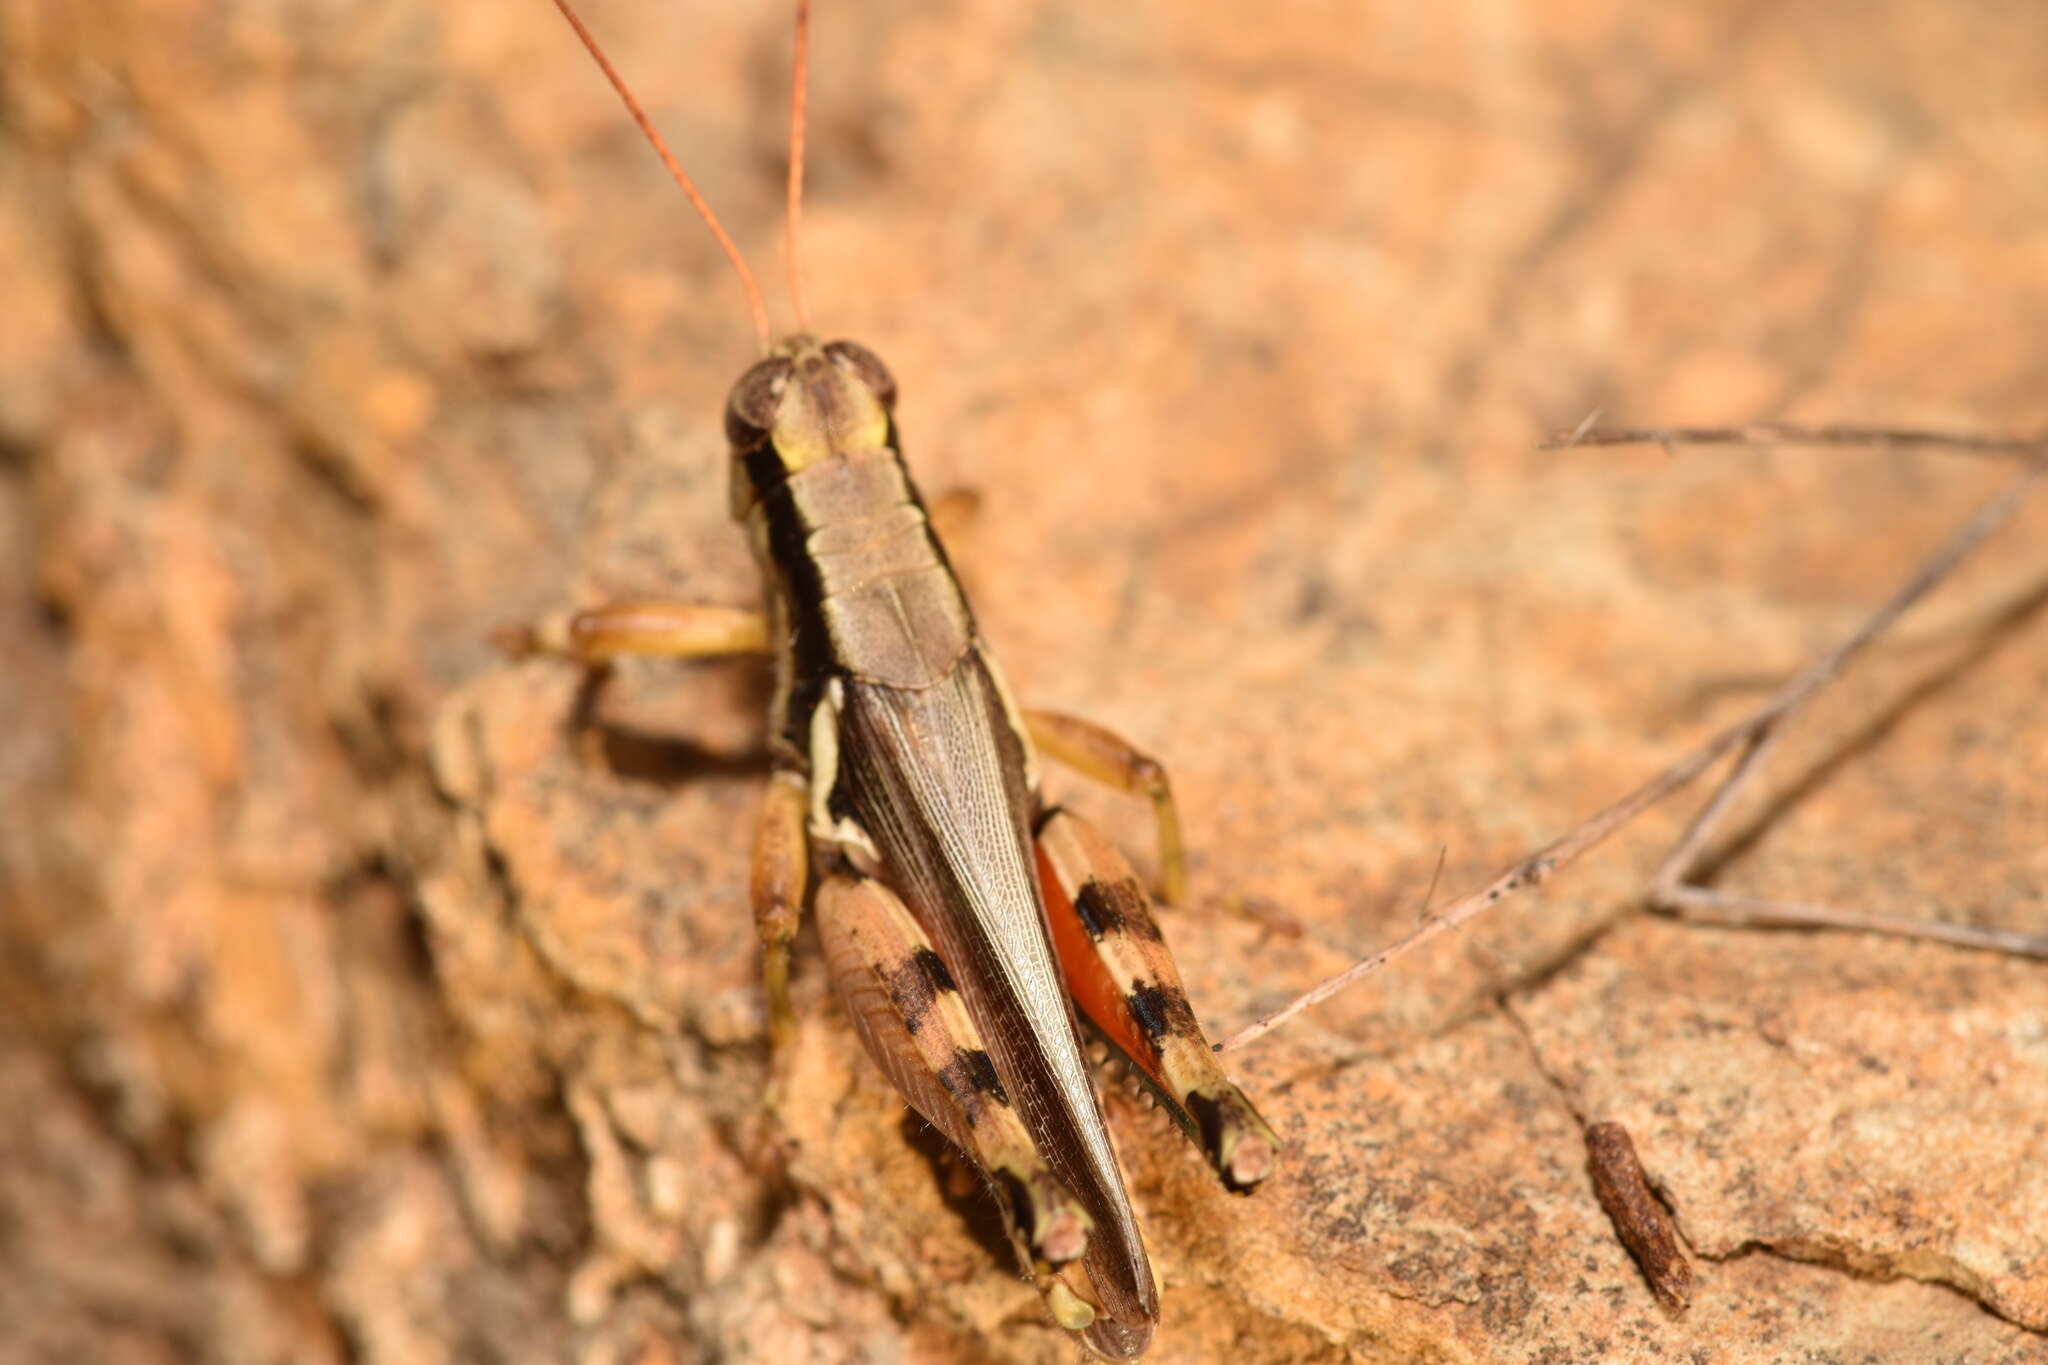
<point x="355" y="1010"/>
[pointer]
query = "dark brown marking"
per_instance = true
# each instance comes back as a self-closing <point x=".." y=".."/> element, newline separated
<point x="1098" y="911"/>
<point x="1161" y="1010"/>
<point x="934" y="968"/>
<point x="1109" y="908"/>
<point x="970" y="1078"/>
<point x="915" y="983"/>
<point x="1640" y="1220"/>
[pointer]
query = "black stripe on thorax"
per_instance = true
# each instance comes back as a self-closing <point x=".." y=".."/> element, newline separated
<point x="787" y="537"/>
<point x="809" y="644"/>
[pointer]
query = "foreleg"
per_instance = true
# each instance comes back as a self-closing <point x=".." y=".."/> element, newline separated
<point x="665" y="630"/>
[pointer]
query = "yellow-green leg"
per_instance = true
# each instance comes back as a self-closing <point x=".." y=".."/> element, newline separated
<point x="781" y="866"/>
<point x="1109" y="758"/>
<point x="663" y="630"/>
<point x="695" y="630"/>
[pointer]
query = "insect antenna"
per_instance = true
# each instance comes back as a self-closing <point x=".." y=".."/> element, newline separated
<point x="800" y="72"/>
<point x="668" y="159"/>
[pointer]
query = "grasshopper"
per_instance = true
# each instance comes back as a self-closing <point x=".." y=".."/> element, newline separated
<point x="963" y="921"/>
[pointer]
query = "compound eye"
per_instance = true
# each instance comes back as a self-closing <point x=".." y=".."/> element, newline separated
<point x="865" y="366"/>
<point x="750" y="412"/>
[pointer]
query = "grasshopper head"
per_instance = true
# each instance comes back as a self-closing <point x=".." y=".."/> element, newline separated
<point x="806" y="401"/>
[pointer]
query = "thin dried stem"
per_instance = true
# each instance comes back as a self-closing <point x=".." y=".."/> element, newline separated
<point x="1706" y="905"/>
<point x="1685" y="854"/>
<point x="1530" y="871"/>
<point x="1539" y="866"/>
<point x="1793" y="433"/>
<point x="1672" y="890"/>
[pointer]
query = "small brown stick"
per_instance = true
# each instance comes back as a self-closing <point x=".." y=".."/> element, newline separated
<point x="1530" y="871"/>
<point x="1639" y="1219"/>
<point x="1538" y="866"/>
<point x="1792" y="433"/>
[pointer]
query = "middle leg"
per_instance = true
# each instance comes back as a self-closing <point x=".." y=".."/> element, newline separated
<point x="1109" y="758"/>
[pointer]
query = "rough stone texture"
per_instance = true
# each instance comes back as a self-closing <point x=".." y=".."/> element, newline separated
<point x="355" y="1011"/>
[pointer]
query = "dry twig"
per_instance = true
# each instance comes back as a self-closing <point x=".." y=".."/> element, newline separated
<point x="1796" y="434"/>
<point x="1754" y="733"/>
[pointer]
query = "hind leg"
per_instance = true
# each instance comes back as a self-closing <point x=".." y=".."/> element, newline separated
<point x="1122" y="976"/>
<point x="908" y="1012"/>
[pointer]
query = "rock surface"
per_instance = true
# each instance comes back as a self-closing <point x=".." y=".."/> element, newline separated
<point x="356" y="1009"/>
